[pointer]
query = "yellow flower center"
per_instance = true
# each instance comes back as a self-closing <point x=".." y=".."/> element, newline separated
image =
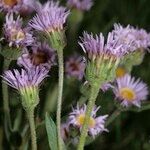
<point x="80" y="121"/>
<point x="10" y="3"/>
<point x="120" y="72"/>
<point x="17" y="35"/>
<point x="20" y="35"/>
<point x="128" y="94"/>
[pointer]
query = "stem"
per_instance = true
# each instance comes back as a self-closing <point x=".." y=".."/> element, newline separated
<point x="6" y="99"/>
<point x="30" y="115"/>
<point x="114" y="115"/>
<point x="60" y="91"/>
<point x="91" y="103"/>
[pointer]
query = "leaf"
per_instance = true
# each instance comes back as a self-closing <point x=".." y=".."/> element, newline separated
<point x="51" y="132"/>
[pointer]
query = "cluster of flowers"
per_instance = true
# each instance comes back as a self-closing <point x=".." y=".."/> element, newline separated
<point x="38" y="57"/>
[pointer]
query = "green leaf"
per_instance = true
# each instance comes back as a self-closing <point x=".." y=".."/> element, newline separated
<point x="51" y="132"/>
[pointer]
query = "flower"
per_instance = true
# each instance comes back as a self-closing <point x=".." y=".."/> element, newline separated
<point x="27" y="83"/>
<point x="131" y="37"/>
<point x="41" y="55"/>
<point x="49" y="17"/>
<point x="75" y="67"/>
<point x="16" y="6"/>
<point x="142" y="38"/>
<point x="80" y="4"/>
<point x="95" y="46"/>
<point x="103" y="57"/>
<point x="10" y="5"/>
<point x="28" y="6"/>
<point x="15" y="34"/>
<point x="120" y="71"/>
<point x="96" y="124"/>
<point x="105" y="87"/>
<point x="130" y="91"/>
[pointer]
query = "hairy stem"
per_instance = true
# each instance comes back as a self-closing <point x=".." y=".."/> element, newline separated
<point x="60" y="91"/>
<point x="91" y="103"/>
<point x="114" y="115"/>
<point x="30" y="115"/>
<point x="7" y="120"/>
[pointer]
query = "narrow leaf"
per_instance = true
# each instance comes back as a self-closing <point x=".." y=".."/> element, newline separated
<point x="51" y="132"/>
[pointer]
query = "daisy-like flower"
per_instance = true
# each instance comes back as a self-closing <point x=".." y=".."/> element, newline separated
<point x="75" y="67"/>
<point x="83" y="5"/>
<point x="16" y="5"/>
<point x="40" y="55"/>
<point x="15" y="34"/>
<point x="132" y="37"/>
<point x="103" y="57"/>
<point x="28" y="6"/>
<point x="130" y="91"/>
<point x="10" y="5"/>
<point x="50" y="17"/>
<point x="142" y="38"/>
<point x="95" y="46"/>
<point x="96" y="124"/>
<point x="27" y="83"/>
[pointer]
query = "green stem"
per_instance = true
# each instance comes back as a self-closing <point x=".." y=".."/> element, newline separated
<point x="114" y="115"/>
<point x="91" y="103"/>
<point x="60" y="91"/>
<point x="30" y="115"/>
<point x="7" y="119"/>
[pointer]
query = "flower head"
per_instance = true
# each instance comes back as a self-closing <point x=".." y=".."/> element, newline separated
<point x="75" y="67"/>
<point x="80" y="4"/>
<point x="16" y="6"/>
<point x="27" y="83"/>
<point x="131" y="37"/>
<point x="49" y="17"/>
<point x="130" y="91"/>
<point x="96" y="124"/>
<point x="28" y="6"/>
<point x="103" y="56"/>
<point x="41" y="55"/>
<point x="15" y="34"/>
<point x="95" y="46"/>
<point x="10" y="5"/>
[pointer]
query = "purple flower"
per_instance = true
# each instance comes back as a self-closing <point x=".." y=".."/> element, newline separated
<point x="95" y="46"/>
<point x="16" y="5"/>
<point x="15" y="34"/>
<point x="27" y="83"/>
<point x="28" y="6"/>
<point x="130" y="91"/>
<point x="25" y="78"/>
<point x="75" y="67"/>
<point x="131" y="37"/>
<point x="96" y="124"/>
<point x="142" y="38"/>
<point x="41" y="55"/>
<point x="106" y="86"/>
<point x="80" y="4"/>
<point x="49" y="17"/>
<point x="10" y="5"/>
